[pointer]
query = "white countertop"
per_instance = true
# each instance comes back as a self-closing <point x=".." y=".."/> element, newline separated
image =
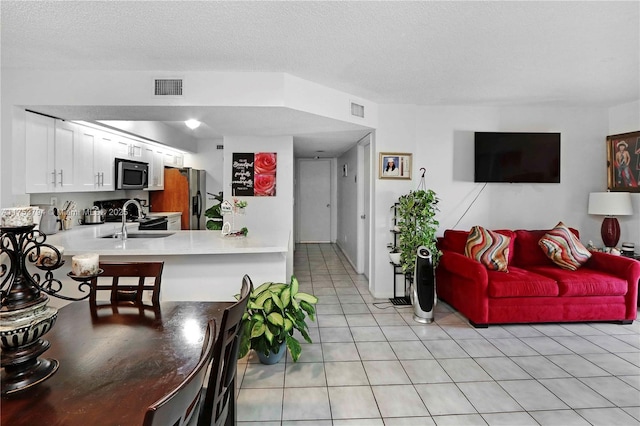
<point x="86" y="239"/>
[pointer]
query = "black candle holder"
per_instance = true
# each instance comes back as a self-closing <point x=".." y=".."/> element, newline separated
<point x="24" y="314"/>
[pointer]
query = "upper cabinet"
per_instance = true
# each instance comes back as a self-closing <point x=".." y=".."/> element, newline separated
<point x="62" y="156"/>
<point x="129" y="149"/>
<point x="173" y="158"/>
<point x="52" y="153"/>
<point x="155" y="158"/>
<point x="104" y="162"/>
<point x="39" y="145"/>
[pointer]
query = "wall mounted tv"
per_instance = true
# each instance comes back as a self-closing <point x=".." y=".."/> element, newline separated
<point x="517" y="157"/>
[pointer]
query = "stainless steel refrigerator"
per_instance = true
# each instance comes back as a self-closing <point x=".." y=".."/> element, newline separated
<point x="184" y="191"/>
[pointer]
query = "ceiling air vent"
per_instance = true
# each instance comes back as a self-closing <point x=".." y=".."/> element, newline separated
<point x="357" y="110"/>
<point x="168" y="87"/>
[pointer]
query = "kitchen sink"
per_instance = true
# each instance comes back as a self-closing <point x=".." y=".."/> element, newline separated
<point x="141" y="235"/>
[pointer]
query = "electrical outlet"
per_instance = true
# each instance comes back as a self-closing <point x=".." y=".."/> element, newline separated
<point x="54" y="201"/>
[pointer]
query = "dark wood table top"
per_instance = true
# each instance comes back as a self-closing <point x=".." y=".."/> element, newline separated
<point x="113" y="366"/>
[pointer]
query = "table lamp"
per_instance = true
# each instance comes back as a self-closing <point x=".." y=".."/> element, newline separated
<point x="610" y="204"/>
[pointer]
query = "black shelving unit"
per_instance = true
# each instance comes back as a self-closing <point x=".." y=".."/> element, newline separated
<point x="397" y="269"/>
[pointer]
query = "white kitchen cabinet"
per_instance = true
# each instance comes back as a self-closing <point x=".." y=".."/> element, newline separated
<point x="66" y="160"/>
<point x="173" y="158"/>
<point x="39" y="148"/>
<point x="155" y="158"/>
<point x="103" y="162"/>
<point x="52" y="150"/>
<point x="129" y="149"/>
<point x="93" y="159"/>
<point x="173" y="223"/>
<point x="85" y="155"/>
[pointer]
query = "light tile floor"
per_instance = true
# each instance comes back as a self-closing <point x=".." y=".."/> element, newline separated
<point x="371" y="364"/>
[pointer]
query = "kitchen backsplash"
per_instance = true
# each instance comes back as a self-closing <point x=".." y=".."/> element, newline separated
<point x="84" y="200"/>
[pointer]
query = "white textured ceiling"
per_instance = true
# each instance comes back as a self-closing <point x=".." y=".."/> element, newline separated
<point x="571" y="53"/>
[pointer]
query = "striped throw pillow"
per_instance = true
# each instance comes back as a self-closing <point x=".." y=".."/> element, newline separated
<point x="564" y="248"/>
<point x="488" y="247"/>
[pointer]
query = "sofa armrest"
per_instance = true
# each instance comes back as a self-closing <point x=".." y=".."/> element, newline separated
<point x="622" y="267"/>
<point x="464" y="266"/>
<point x="458" y="264"/>
<point x="619" y="266"/>
<point x="464" y="283"/>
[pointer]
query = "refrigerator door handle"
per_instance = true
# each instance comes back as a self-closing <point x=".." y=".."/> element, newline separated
<point x="199" y="195"/>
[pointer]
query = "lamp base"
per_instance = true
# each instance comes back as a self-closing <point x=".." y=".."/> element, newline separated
<point x="610" y="231"/>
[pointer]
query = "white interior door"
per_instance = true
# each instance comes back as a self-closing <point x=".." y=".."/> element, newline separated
<point x="314" y="201"/>
<point x="367" y="206"/>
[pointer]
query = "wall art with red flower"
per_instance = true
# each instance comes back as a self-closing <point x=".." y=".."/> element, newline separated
<point x="254" y="174"/>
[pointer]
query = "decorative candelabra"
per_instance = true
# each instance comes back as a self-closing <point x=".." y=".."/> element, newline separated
<point x="24" y="314"/>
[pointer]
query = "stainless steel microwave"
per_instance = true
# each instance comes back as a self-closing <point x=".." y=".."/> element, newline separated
<point x="131" y="174"/>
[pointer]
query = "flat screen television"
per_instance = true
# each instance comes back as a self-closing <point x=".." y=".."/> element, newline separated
<point x="517" y="157"/>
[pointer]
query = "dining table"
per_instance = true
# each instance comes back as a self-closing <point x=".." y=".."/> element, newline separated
<point x="113" y="363"/>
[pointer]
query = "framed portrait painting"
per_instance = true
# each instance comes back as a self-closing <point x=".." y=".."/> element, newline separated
<point x="394" y="165"/>
<point x="623" y="162"/>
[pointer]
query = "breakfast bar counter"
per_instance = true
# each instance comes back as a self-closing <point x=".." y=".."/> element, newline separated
<point x="199" y="265"/>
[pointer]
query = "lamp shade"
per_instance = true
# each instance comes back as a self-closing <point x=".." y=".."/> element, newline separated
<point x="610" y="203"/>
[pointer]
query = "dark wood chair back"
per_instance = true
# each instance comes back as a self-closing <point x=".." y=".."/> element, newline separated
<point x="220" y="390"/>
<point x="180" y="405"/>
<point x="128" y="294"/>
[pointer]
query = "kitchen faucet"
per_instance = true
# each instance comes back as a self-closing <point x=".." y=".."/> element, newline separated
<point x="123" y="232"/>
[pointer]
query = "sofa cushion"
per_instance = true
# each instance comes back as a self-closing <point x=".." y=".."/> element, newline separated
<point x="520" y="283"/>
<point x="456" y="240"/>
<point x="563" y="248"/>
<point x="527" y="252"/>
<point x="488" y="247"/>
<point x="584" y="281"/>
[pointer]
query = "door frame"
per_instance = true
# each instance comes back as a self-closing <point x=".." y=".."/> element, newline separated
<point x="364" y="233"/>
<point x="333" y="197"/>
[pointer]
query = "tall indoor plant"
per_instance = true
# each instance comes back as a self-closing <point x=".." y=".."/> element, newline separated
<point x="417" y="224"/>
<point x="274" y="312"/>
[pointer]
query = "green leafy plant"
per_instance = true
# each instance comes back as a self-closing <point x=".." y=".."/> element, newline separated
<point x="214" y="215"/>
<point x="274" y="311"/>
<point x="418" y="226"/>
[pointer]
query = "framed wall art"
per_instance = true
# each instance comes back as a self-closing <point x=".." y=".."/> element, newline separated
<point x="394" y="165"/>
<point x="623" y="162"/>
<point x="254" y="174"/>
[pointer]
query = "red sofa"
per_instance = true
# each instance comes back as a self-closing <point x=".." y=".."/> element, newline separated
<point x="534" y="289"/>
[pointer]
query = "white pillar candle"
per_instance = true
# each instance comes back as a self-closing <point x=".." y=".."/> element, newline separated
<point x="83" y="265"/>
<point x="17" y="216"/>
<point x="48" y="257"/>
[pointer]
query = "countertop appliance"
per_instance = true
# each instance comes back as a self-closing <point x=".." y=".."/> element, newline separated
<point x="113" y="213"/>
<point x="49" y="219"/>
<point x="131" y="174"/>
<point x="184" y="191"/>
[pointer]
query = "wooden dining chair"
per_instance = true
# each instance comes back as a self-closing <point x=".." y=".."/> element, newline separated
<point x="181" y="404"/>
<point x="124" y="291"/>
<point x="219" y="395"/>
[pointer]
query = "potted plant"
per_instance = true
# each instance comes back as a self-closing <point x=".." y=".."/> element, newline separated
<point x="395" y="255"/>
<point x="274" y="312"/>
<point x="213" y="214"/>
<point x="417" y="224"/>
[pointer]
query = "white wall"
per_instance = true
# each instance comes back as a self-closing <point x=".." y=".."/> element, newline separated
<point x="347" y="208"/>
<point x="396" y="133"/>
<point x="210" y="159"/>
<point x="625" y="118"/>
<point x="441" y="140"/>
<point x="274" y="213"/>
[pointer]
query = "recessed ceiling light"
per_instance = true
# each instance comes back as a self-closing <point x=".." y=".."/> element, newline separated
<point x="192" y="124"/>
